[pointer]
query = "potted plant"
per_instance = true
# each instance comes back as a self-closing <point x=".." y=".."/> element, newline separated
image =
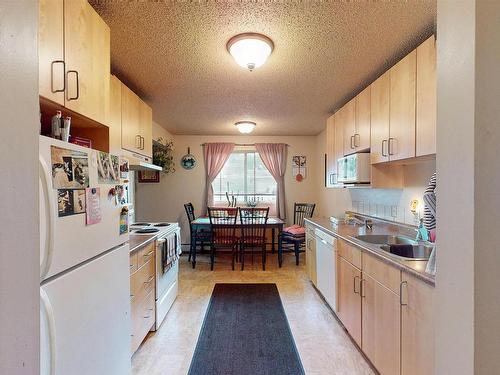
<point x="163" y="155"/>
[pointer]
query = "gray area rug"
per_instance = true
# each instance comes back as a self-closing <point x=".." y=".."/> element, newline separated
<point x="245" y="332"/>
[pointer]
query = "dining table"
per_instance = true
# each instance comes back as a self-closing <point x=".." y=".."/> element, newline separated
<point x="273" y="223"/>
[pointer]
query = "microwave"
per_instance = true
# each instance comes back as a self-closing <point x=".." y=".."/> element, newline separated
<point x="354" y="169"/>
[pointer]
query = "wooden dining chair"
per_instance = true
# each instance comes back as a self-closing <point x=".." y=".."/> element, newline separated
<point x="198" y="237"/>
<point x="294" y="237"/>
<point x="253" y="232"/>
<point x="223" y="231"/>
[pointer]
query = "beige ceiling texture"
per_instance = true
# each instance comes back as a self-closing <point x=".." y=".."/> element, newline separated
<point x="173" y="54"/>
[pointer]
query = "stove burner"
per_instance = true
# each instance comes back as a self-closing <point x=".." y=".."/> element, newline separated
<point x="140" y="224"/>
<point x="162" y="225"/>
<point x="147" y="230"/>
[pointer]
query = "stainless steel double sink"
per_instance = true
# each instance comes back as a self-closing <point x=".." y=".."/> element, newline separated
<point x="418" y="250"/>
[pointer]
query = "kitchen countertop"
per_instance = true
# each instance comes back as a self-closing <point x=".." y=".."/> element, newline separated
<point x="347" y="232"/>
<point x="136" y="241"/>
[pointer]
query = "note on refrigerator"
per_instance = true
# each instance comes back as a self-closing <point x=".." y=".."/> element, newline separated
<point x="93" y="205"/>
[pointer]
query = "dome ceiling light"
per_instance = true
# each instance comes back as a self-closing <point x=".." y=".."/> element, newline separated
<point x="245" y="127"/>
<point x="250" y="50"/>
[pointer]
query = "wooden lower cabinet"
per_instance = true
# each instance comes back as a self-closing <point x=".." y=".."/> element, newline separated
<point x="389" y="313"/>
<point x="349" y="298"/>
<point x="380" y="326"/>
<point x="142" y="294"/>
<point x="417" y="327"/>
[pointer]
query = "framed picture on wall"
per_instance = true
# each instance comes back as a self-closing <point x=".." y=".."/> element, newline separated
<point x="149" y="176"/>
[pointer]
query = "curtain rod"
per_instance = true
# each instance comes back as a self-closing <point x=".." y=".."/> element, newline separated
<point x="243" y="144"/>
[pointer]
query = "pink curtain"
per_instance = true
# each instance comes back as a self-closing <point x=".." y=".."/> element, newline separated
<point x="273" y="156"/>
<point x="215" y="155"/>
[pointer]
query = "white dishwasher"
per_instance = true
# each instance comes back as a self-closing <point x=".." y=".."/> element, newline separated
<point x="326" y="264"/>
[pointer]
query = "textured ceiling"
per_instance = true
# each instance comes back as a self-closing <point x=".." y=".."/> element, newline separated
<point x="173" y="54"/>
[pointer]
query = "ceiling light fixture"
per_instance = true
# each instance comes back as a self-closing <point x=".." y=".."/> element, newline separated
<point x="245" y="127"/>
<point x="250" y="50"/>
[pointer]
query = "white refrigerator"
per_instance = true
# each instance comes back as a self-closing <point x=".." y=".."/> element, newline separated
<point x="84" y="269"/>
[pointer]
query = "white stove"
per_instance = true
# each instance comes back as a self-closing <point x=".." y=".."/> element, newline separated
<point x="168" y="250"/>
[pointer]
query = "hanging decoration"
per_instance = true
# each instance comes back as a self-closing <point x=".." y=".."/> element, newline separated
<point x="299" y="167"/>
<point x="188" y="161"/>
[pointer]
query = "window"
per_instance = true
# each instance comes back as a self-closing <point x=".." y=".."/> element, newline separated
<point x="245" y="176"/>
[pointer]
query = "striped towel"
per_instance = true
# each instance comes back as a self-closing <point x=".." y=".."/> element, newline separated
<point x="430" y="204"/>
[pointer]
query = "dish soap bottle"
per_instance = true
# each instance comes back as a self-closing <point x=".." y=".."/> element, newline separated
<point x="422" y="232"/>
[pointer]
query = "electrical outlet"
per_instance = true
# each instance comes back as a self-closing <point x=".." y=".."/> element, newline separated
<point x="394" y="211"/>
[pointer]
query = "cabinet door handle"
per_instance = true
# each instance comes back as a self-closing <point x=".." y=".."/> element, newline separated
<point x="148" y="281"/>
<point x="357" y="136"/>
<point x="77" y="85"/>
<point x="352" y="142"/>
<point x="138" y="144"/>
<point x="142" y="143"/>
<point x="52" y="76"/>
<point x="401" y="293"/>
<point x="384" y="142"/>
<point x="355" y="277"/>
<point x="391" y="149"/>
<point x="148" y="254"/>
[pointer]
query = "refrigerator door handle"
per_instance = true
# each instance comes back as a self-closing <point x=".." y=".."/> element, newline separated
<point x="46" y="256"/>
<point x="47" y="314"/>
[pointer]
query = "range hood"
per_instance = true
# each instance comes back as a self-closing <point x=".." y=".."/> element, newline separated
<point x="137" y="162"/>
<point x="139" y="165"/>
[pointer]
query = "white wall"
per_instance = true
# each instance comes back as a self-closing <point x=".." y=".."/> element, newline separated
<point x="468" y="260"/>
<point x="19" y="238"/>
<point x="455" y="164"/>
<point x="374" y="202"/>
<point x="165" y="201"/>
<point x="487" y="189"/>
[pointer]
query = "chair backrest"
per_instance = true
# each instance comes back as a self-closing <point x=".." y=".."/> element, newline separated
<point x="302" y="211"/>
<point x="253" y="224"/>
<point x="190" y="212"/>
<point x="223" y="224"/>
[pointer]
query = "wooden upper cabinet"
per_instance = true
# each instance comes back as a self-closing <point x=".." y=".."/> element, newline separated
<point x="331" y="163"/>
<point x="338" y="146"/>
<point x="51" y="50"/>
<point x="146" y="129"/>
<point x="131" y="127"/>
<point x="362" y="134"/>
<point x="401" y="141"/>
<point x="87" y="56"/>
<point x="417" y="327"/>
<point x="380" y="115"/>
<point x="349" y="298"/>
<point x="348" y="116"/>
<point x="380" y="325"/>
<point x="426" y="98"/>
<point x="115" y="116"/>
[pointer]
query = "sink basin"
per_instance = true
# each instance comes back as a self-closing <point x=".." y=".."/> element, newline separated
<point x="384" y="239"/>
<point x="416" y="252"/>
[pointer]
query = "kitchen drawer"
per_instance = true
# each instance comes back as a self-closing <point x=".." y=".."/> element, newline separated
<point x="142" y="282"/>
<point x="382" y="272"/>
<point x="146" y="253"/>
<point x="143" y="318"/>
<point x="133" y="262"/>
<point x="349" y="253"/>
